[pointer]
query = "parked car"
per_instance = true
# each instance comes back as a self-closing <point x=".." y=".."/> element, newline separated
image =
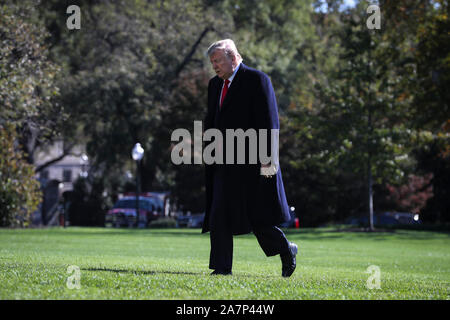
<point x="124" y="212"/>
<point x="386" y="219"/>
<point x="403" y="217"/>
<point x="162" y="200"/>
<point x="190" y="221"/>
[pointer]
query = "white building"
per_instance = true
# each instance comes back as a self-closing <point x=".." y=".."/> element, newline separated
<point x="57" y="178"/>
<point x="67" y="170"/>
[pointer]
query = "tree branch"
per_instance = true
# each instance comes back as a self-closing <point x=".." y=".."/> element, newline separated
<point x="191" y="53"/>
<point x="66" y="152"/>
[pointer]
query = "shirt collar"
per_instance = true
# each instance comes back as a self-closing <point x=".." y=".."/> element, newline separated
<point x="234" y="73"/>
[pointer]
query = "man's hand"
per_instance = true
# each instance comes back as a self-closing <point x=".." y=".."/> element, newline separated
<point x="268" y="170"/>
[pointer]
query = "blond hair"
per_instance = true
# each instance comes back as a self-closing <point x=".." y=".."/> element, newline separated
<point x="228" y="46"/>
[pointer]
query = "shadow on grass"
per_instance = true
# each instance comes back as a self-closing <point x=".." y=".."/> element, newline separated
<point x="144" y="272"/>
<point x="152" y="272"/>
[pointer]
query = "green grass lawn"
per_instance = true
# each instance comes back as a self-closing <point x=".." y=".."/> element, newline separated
<point x="173" y="264"/>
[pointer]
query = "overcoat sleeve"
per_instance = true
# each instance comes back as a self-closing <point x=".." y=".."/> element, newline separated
<point x="265" y="114"/>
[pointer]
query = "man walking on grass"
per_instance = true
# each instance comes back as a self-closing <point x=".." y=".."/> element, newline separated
<point x="243" y="198"/>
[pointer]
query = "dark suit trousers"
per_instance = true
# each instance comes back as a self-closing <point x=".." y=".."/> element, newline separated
<point x="271" y="239"/>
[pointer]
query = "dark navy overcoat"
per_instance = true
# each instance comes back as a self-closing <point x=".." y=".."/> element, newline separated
<point x="251" y="199"/>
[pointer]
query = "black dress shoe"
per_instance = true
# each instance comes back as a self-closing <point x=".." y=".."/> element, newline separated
<point x="221" y="272"/>
<point x="288" y="260"/>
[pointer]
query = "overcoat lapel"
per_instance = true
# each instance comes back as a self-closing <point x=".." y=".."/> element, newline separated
<point x="234" y="87"/>
<point x="232" y="91"/>
<point x="216" y="103"/>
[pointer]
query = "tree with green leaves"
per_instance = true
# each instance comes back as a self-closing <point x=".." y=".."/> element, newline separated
<point x="28" y="89"/>
<point x="29" y="115"/>
<point x="20" y="192"/>
<point x="355" y="131"/>
<point x="420" y="29"/>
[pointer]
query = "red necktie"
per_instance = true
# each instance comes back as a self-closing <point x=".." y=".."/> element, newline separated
<point x="224" y="91"/>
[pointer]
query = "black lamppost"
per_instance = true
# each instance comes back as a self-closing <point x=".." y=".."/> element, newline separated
<point x="137" y="153"/>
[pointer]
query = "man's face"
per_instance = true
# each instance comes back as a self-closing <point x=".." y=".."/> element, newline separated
<point x="222" y="65"/>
